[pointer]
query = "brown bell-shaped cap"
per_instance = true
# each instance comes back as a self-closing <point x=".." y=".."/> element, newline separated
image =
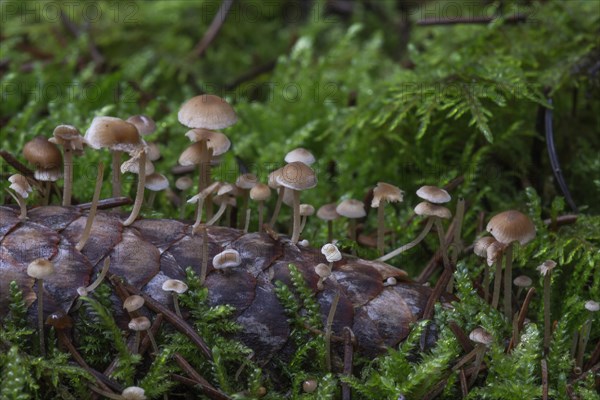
<point x="206" y="111"/>
<point x="152" y="151"/>
<point x="59" y="320"/>
<point x="246" y="181"/>
<point x="328" y="212"/>
<point x="306" y="210"/>
<point x="433" y="194"/>
<point x="300" y="154"/>
<point x="546" y="267"/>
<point x="217" y="141"/>
<point x="20" y="184"/>
<point x="227" y="259"/>
<point x="481" y="336"/>
<point x="133" y="164"/>
<point x="112" y="133"/>
<point x="480" y="246"/>
<point x="193" y="155"/>
<point x="42" y="154"/>
<point x="297" y="176"/>
<point x="174" y="285"/>
<point x="144" y="124"/>
<point x="386" y="192"/>
<point x="184" y="183"/>
<point x="133" y="303"/>
<point x="68" y="137"/>
<point x="351" y="208"/>
<point x="40" y="268"/>
<point x="510" y="226"/>
<point x="522" y="281"/>
<point x="425" y="208"/>
<point x="260" y="192"/>
<point x="139" y="324"/>
<point x="156" y="182"/>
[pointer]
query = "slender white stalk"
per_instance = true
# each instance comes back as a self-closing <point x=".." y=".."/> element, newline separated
<point x="68" y="172"/>
<point x="410" y="245"/>
<point x="247" y="220"/>
<point x="380" y="227"/>
<point x="277" y="207"/>
<point x="40" y="295"/>
<point x="21" y="202"/>
<point x="218" y="215"/>
<point x="84" y="291"/>
<point x="497" y="282"/>
<point x="139" y="196"/>
<point x="204" y="266"/>
<point x="296" y="205"/>
<point x="92" y="214"/>
<point x="328" y="331"/>
<point x="508" y="281"/>
<point x="116" y="173"/>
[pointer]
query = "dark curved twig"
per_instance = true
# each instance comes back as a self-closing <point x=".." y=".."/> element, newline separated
<point x="554" y="158"/>
<point x="214" y="28"/>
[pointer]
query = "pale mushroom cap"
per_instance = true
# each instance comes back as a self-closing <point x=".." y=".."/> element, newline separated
<point x="522" y="281"/>
<point x="322" y="270"/>
<point x="510" y="226"/>
<point x="351" y="208"/>
<point x="48" y="175"/>
<point x="152" y="151"/>
<point x="193" y="155"/>
<point x="225" y="198"/>
<point x="133" y="303"/>
<point x="42" y="154"/>
<point x="306" y="210"/>
<point x="217" y="141"/>
<point x="184" y="183"/>
<point x="493" y="251"/>
<point x="288" y="198"/>
<point x="133" y="164"/>
<point x="327" y="212"/>
<point x="297" y="176"/>
<point x="331" y="252"/>
<point x="592" y="305"/>
<point x="112" y="133"/>
<point x="432" y="210"/>
<point x="144" y="124"/>
<point x="272" y="179"/>
<point x="20" y="185"/>
<point x="174" y="285"/>
<point x="546" y="267"/>
<point x="301" y="155"/>
<point x="40" y="268"/>
<point x="260" y="192"/>
<point x="156" y="182"/>
<point x="386" y="192"/>
<point x="480" y="335"/>
<point x="228" y="188"/>
<point x="433" y="194"/>
<point x="134" y="393"/>
<point x="246" y="181"/>
<point x="69" y="137"/>
<point x="391" y="281"/>
<point x="213" y="187"/>
<point x="139" y="324"/>
<point x="480" y="246"/>
<point x="206" y="111"/>
<point x="227" y="259"/>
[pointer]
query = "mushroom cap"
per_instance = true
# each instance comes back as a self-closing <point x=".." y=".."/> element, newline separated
<point x="42" y="154"/>
<point x="206" y="111"/>
<point x="228" y="188"/>
<point x="227" y="259"/>
<point x="546" y="267"/>
<point x="432" y="210"/>
<point x="20" y="184"/>
<point x="510" y="226"/>
<point x="306" y="210"/>
<point x="139" y="324"/>
<point x="301" y="155"/>
<point x="174" y="285"/>
<point x="260" y="192"/>
<point x="69" y="137"/>
<point x="113" y="133"/>
<point x="184" y="183"/>
<point x="156" y="182"/>
<point x="480" y="246"/>
<point x="225" y="198"/>
<point x="272" y="179"/>
<point x="297" y="176"/>
<point x="322" y="270"/>
<point x="152" y="151"/>
<point x="592" y="305"/>
<point x="310" y="385"/>
<point x="144" y="124"/>
<point x="351" y="208"/>
<point x="133" y="164"/>
<point x="133" y="303"/>
<point x="246" y="181"/>
<point x="493" y="251"/>
<point x="40" y="268"/>
<point x="133" y="393"/>
<point x="206" y="192"/>
<point x="217" y="141"/>
<point x="433" y="194"/>
<point x="48" y="175"/>
<point x="331" y="252"/>
<point x="522" y="281"/>
<point x="480" y="335"/>
<point x="192" y="155"/>
<point x="59" y="320"/>
<point x="327" y="212"/>
<point x="386" y="192"/>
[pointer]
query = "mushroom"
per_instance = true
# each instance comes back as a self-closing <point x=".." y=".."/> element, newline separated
<point x="309" y="386"/>
<point x="40" y="269"/>
<point x="328" y="213"/>
<point x="84" y="291"/>
<point x="133" y="393"/>
<point x="592" y="307"/>
<point x="144" y="124"/>
<point x="482" y="340"/>
<point x="155" y="182"/>
<point x="260" y="193"/>
<point x="434" y="196"/>
<point x="273" y="184"/>
<point x="545" y="270"/>
<point x="494" y="254"/>
<point x="176" y="287"/>
<point x="47" y="161"/>
<point x="480" y="249"/>
<point x="183" y="183"/>
<point x="139" y="324"/>
<point x="199" y="200"/>
<point x="72" y="142"/>
<point x="324" y="272"/>
<point x="297" y="176"/>
<point x="229" y="258"/>
<point x="206" y="111"/>
<point x="85" y="235"/>
<point x="509" y="227"/>
<point x="245" y="182"/>
<point x="21" y="187"/>
<point x="522" y="282"/>
<point x="306" y="210"/>
<point x="152" y="151"/>
<point x="133" y="303"/>
<point x="352" y="209"/>
<point x="301" y="155"/>
<point x="384" y="193"/>
<point x="117" y="136"/>
<point x="331" y="253"/>
<point x="225" y="199"/>
<point x="137" y="165"/>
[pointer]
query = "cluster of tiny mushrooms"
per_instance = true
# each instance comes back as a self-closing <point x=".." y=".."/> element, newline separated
<point x="204" y="115"/>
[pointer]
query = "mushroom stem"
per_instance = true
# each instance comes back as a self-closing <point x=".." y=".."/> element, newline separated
<point x="247" y="220"/>
<point x="584" y="336"/>
<point x="136" y="343"/>
<point x="486" y="281"/>
<point x="497" y="282"/>
<point x="183" y="204"/>
<point x="200" y="205"/>
<point x="139" y="196"/>
<point x="152" y="340"/>
<point x="40" y="296"/>
<point x="303" y="222"/>
<point x="547" y="322"/>
<point x="116" y="173"/>
<point x="204" y="266"/>
<point x="98" y="280"/>
<point x="442" y="238"/>
<point x="244" y="210"/>
<point x="46" y="193"/>
<point x="380" y="228"/>
<point x="68" y="177"/>
<point x="328" y="332"/>
<point x="508" y="281"/>
<point x="296" y="206"/>
<point x="151" y="199"/>
<point x="353" y="229"/>
<point x="176" y="305"/>
<point x="409" y="245"/>
<point x="92" y="214"/>
<point x="277" y="206"/>
<point x="261" y="205"/>
<point x="21" y="202"/>
<point x="218" y="215"/>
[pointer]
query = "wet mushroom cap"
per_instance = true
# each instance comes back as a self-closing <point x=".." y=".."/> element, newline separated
<point x="327" y="212"/>
<point x="331" y="252"/>
<point x="42" y="154"/>
<point x="227" y="259"/>
<point x="69" y="137"/>
<point x="386" y="192"/>
<point x="133" y="164"/>
<point x="156" y="182"/>
<point x="425" y="208"/>
<point x="40" y="268"/>
<point x="133" y="393"/>
<point x="322" y="270"/>
<point x="217" y="141"/>
<point x="272" y="179"/>
<point x="246" y="181"/>
<point x="139" y="324"/>
<point x="297" y="176"/>
<point x="152" y="151"/>
<point x="144" y="124"/>
<point x="480" y="246"/>
<point x="510" y="226"/>
<point x="133" y="303"/>
<point x="546" y="267"/>
<point x="306" y="210"/>
<point x="20" y="184"/>
<point x="351" y="208"/>
<point x="522" y="281"/>
<point x="480" y="335"/>
<point x="493" y="251"/>
<point x="184" y="183"/>
<point x="59" y="320"/>
<point x="206" y="111"/>
<point x="301" y="155"/>
<point x="112" y="133"/>
<point x="260" y="192"/>
<point x="174" y="285"/>
<point x="433" y="194"/>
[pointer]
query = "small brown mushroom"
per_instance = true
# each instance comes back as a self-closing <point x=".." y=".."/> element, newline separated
<point x="351" y="209"/>
<point x="47" y="161"/>
<point x="384" y="193"/>
<point x="39" y="269"/>
<point x="21" y="187"/>
<point x="72" y="142"/>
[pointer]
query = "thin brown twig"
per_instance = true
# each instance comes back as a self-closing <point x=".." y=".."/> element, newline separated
<point x="544" y="379"/>
<point x="594" y="358"/>
<point x="349" y="339"/>
<point x="513" y="19"/>
<point x="202" y="383"/>
<point x="461" y="336"/>
<point x="522" y="316"/>
<point x="214" y="28"/>
<point x="464" y="387"/>
<point x="106" y="204"/>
